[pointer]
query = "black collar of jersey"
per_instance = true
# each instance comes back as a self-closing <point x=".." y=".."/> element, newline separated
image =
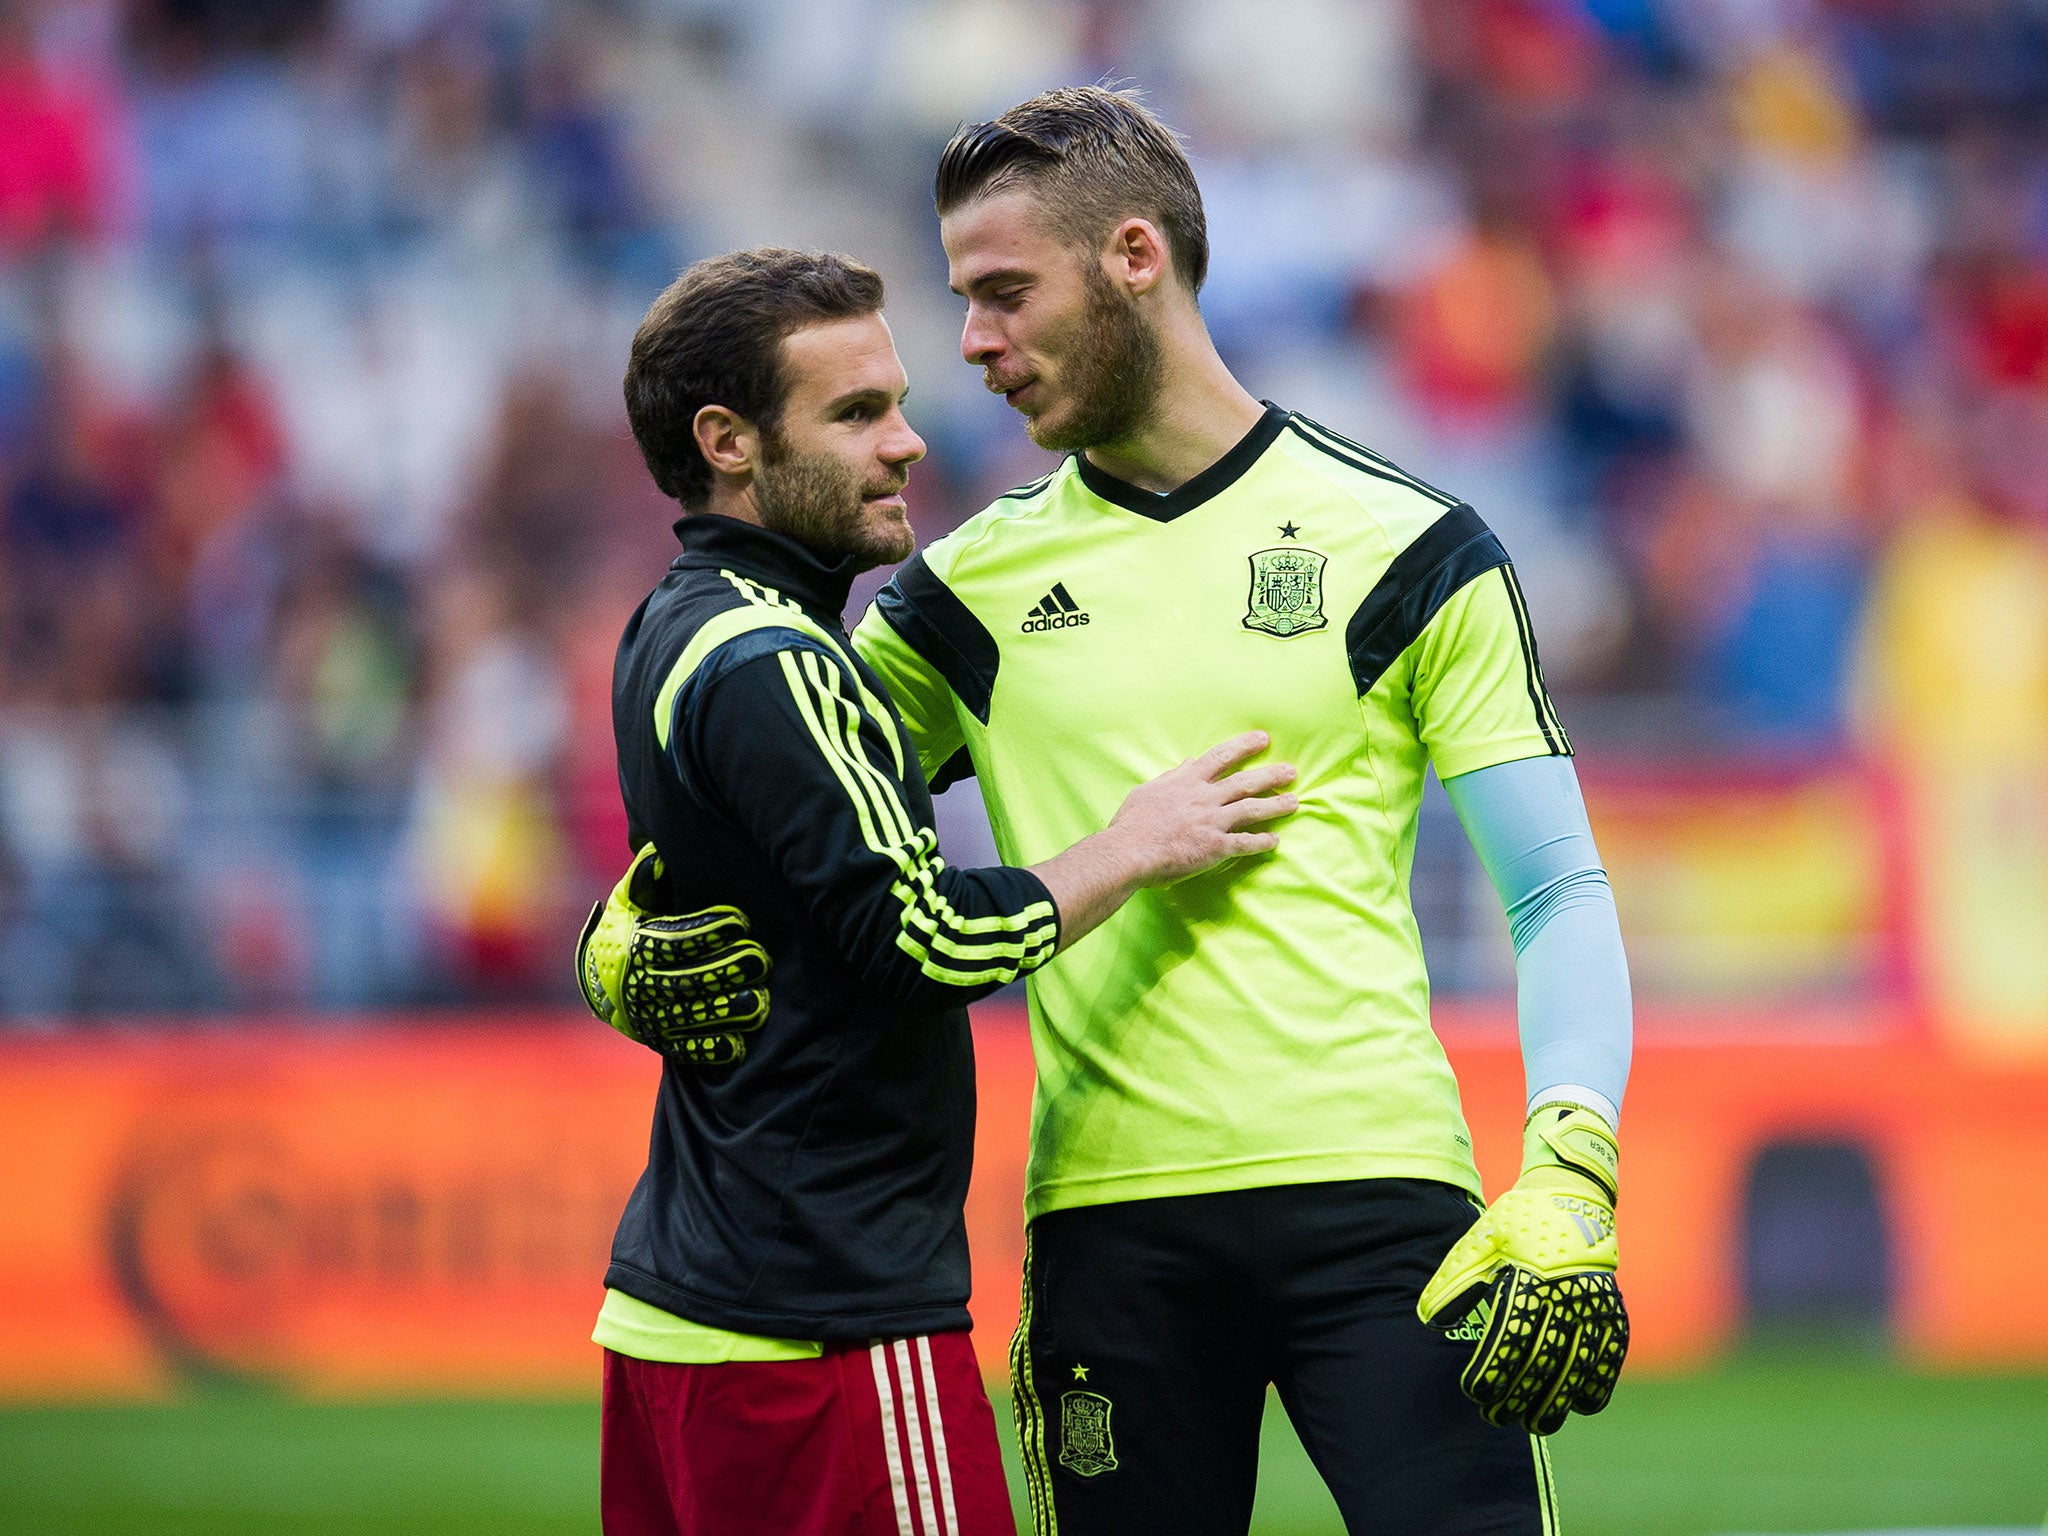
<point x="712" y="541"/>
<point x="1214" y="480"/>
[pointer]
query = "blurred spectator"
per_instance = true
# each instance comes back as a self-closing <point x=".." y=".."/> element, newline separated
<point x="487" y="844"/>
<point x="1775" y="419"/>
<point x="1475" y="332"/>
<point x="221" y="459"/>
<point x="454" y="168"/>
<point x="56" y="178"/>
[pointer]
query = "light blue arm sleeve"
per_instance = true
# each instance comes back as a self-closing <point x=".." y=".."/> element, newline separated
<point x="1527" y="820"/>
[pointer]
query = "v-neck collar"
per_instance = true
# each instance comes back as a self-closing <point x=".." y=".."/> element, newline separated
<point x="1214" y="480"/>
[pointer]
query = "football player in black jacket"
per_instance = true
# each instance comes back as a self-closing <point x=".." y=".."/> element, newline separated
<point x="785" y="1319"/>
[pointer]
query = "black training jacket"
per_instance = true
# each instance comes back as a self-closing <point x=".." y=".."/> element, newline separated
<point x="813" y="1188"/>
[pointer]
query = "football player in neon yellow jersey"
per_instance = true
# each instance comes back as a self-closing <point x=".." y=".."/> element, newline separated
<point x="1246" y="1139"/>
<point x="1248" y="1161"/>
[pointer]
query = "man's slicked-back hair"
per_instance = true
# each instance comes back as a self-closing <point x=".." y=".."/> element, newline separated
<point x="714" y="337"/>
<point x="1094" y="157"/>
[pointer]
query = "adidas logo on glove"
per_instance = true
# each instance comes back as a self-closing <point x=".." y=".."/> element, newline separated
<point x="1473" y="1328"/>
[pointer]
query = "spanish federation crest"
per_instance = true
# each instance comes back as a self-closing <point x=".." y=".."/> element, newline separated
<point x="1085" y="1444"/>
<point x="1287" y="592"/>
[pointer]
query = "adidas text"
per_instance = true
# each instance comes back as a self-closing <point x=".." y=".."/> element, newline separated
<point x="1054" y="621"/>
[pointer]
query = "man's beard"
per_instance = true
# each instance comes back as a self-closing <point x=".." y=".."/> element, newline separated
<point x="1111" y="380"/>
<point x="819" y="502"/>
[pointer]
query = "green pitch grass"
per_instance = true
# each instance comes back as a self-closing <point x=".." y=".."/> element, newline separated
<point x="1759" y="1446"/>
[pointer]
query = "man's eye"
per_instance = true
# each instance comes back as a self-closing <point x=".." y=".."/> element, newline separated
<point x="856" y="413"/>
<point x="1009" y="296"/>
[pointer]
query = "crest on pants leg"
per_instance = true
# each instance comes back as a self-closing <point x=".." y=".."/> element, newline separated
<point x="1086" y="1446"/>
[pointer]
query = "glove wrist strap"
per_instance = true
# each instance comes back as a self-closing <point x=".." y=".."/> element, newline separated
<point x="1571" y="1137"/>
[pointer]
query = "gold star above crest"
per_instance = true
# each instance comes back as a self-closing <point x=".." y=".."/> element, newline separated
<point x="1080" y="1373"/>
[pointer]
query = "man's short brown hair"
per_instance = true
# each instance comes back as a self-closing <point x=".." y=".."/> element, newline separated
<point x="1096" y="157"/>
<point x="714" y="337"/>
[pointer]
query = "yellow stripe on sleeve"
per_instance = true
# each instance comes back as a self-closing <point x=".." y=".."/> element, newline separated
<point x="849" y="765"/>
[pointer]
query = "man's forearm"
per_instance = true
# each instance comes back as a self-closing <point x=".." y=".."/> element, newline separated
<point x="1573" y="998"/>
<point x="1186" y="820"/>
<point x="1088" y="883"/>
<point x="1527" y="821"/>
<point x="806" y="771"/>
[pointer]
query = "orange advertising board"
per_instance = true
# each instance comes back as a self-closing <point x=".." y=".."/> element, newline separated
<point x="346" y="1211"/>
<point x="377" y="1209"/>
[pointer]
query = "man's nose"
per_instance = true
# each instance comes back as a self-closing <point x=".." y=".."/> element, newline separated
<point x="904" y="447"/>
<point x="980" y="342"/>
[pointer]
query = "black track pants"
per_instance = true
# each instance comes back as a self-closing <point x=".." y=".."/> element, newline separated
<point x="1151" y="1328"/>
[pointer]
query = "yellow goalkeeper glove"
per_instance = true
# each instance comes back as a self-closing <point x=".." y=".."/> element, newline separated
<point x="689" y="985"/>
<point x="1532" y="1282"/>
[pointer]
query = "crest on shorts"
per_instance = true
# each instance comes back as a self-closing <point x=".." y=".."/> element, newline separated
<point x="1085" y="1444"/>
<point x="1287" y="592"/>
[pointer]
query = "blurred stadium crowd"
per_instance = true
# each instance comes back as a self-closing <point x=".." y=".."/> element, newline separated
<point x="319" y="519"/>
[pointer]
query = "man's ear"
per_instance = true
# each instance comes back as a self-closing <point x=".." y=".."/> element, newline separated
<point x="730" y="443"/>
<point x="1136" y="256"/>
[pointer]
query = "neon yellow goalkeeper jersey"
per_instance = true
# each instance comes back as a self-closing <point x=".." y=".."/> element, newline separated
<point x="1268" y="1022"/>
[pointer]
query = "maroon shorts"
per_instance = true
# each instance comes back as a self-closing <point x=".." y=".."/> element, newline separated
<point x="893" y="1438"/>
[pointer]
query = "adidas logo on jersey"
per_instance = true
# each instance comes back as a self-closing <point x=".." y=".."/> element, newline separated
<point x="1056" y="610"/>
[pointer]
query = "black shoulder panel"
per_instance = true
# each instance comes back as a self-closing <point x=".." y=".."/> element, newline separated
<point x="940" y="628"/>
<point x="1423" y="577"/>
